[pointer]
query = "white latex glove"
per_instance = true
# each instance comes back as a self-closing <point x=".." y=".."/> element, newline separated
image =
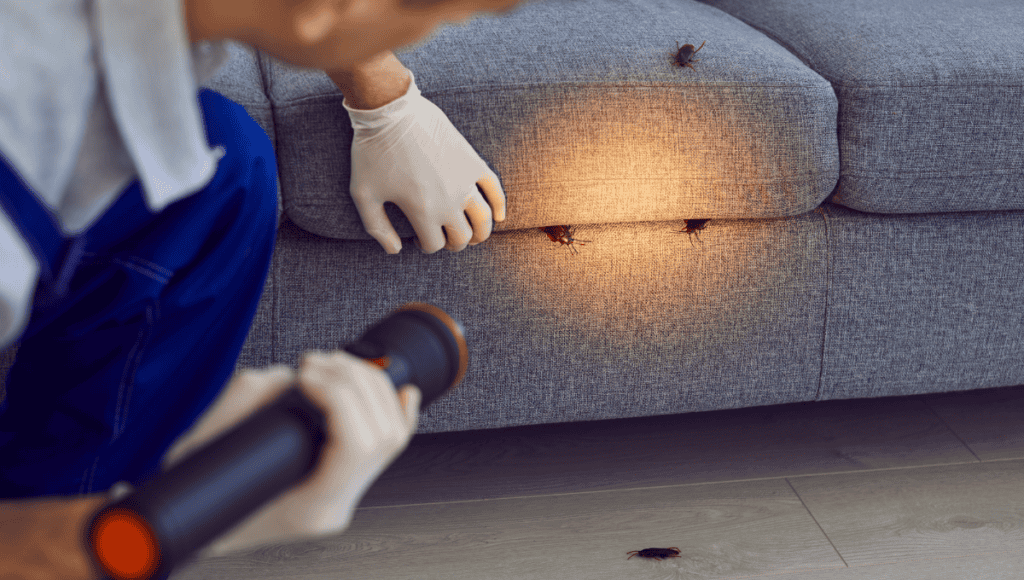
<point x="409" y="153"/>
<point x="368" y="425"/>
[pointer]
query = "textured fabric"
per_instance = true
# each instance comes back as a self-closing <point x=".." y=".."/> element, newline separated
<point x="150" y="327"/>
<point x="832" y="304"/>
<point x="589" y="122"/>
<point x="644" y="321"/>
<point x="931" y="96"/>
<point x="923" y="303"/>
<point x="78" y="75"/>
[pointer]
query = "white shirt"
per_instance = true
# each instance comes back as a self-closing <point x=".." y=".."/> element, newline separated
<point x="94" y="94"/>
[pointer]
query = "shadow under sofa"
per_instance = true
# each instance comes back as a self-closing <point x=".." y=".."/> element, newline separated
<point x="829" y="268"/>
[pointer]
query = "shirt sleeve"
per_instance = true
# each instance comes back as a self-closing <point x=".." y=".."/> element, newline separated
<point x="19" y="274"/>
<point x="207" y="58"/>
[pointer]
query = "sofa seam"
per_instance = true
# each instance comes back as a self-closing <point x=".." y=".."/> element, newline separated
<point x="828" y="296"/>
<point x="274" y="314"/>
<point x="265" y="73"/>
<point x="840" y="84"/>
<point x="931" y="175"/>
<point x="799" y="178"/>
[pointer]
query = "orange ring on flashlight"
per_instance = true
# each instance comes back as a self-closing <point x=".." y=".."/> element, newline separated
<point x="383" y="362"/>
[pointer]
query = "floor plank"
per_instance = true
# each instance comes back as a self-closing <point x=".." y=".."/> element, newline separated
<point x="723" y="530"/>
<point x="989" y="565"/>
<point x="884" y="488"/>
<point x="919" y="513"/>
<point x="988" y="421"/>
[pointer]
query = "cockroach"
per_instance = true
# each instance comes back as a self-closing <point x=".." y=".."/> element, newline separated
<point x="692" y="227"/>
<point x="563" y="235"/>
<point x="656" y="553"/>
<point x="684" y="55"/>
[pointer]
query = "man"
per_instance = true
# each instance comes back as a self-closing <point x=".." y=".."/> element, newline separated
<point x="137" y="231"/>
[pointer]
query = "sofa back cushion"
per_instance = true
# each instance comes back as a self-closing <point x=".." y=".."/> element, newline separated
<point x="579" y="109"/>
<point x="931" y="96"/>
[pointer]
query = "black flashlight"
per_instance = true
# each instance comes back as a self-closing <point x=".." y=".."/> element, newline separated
<point x="165" y="521"/>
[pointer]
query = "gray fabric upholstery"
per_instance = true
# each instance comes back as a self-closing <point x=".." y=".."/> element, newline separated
<point x="241" y="80"/>
<point x="923" y="303"/>
<point x="827" y="305"/>
<point x="641" y="322"/>
<point x="930" y="96"/>
<point x="589" y="123"/>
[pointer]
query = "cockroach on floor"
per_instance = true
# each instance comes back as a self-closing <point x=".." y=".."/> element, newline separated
<point x="563" y="235"/>
<point x="656" y="553"/>
<point x="684" y="55"/>
<point x="692" y="227"/>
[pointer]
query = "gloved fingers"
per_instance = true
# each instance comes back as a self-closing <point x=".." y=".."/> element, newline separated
<point x="411" y="398"/>
<point x="454" y="234"/>
<point x="479" y="214"/>
<point x="349" y="464"/>
<point x="368" y="428"/>
<point x="377" y="224"/>
<point x="245" y="394"/>
<point x="458" y="234"/>
<point x="368" y="425"/>
<point x="326" y="374"/>
<point x="491" y="186"/>
<point x="455" y="238"/>
<point x="429" y="237"/>
<point x="371" y="417"/>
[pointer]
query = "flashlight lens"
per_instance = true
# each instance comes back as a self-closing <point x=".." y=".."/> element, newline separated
<point x="124" y="545"/>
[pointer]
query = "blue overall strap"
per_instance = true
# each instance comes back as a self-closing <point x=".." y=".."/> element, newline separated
<point x="57" y="254"/>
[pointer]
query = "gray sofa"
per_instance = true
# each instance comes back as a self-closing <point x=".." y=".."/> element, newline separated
<point x="861" y="165"/>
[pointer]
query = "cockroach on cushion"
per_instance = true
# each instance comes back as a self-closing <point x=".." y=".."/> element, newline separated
<point x="656" y="553"/>
<point x="684" y="55"/>
<point x="563" y="235"/>
<point x="692" y="227"/>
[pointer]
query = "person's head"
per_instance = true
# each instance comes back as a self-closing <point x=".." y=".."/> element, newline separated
<point x="328" y="34"/>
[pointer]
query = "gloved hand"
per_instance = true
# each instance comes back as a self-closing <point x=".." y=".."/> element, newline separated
<point x="368" y="425"/>
<point x="409" y="153"/>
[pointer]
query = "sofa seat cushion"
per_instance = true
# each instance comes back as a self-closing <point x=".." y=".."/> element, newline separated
<point x="931" y="96"/>
<point x="922" y="303"/>
<point x="643" y="321"/>
<point x="578" y="108"/>
<point x="831" y="304"/>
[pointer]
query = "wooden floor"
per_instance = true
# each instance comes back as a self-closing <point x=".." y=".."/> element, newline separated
<point x="926" y="487"/>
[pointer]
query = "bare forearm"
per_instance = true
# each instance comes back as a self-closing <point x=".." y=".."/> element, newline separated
<point x="373" y="83"/>
<point x="43" y="538"/>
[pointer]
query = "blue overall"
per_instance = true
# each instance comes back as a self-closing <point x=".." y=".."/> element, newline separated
<point x="138" y="322"/>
